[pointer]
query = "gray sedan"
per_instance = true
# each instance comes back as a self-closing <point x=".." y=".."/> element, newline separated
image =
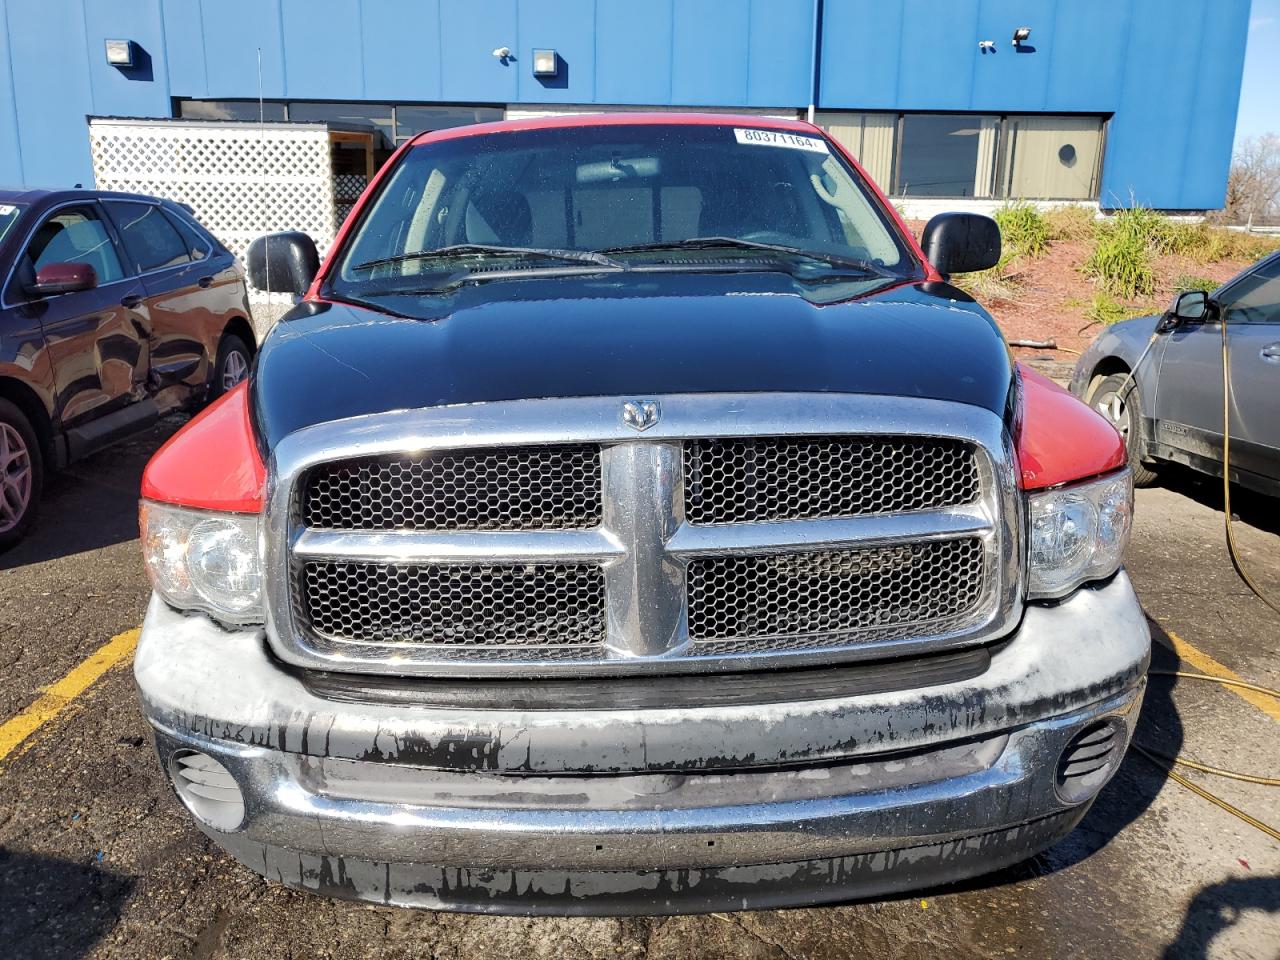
<point x="1171" y="408"/>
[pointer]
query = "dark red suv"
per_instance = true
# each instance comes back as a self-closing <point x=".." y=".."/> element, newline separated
<point x="114" y="309"/>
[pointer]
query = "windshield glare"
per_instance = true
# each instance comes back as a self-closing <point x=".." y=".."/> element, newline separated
<point x="9" y="213"/>
<point x="593" y="188"/>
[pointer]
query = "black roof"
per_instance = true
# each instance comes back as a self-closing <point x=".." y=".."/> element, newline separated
<point x="38" y="195"/>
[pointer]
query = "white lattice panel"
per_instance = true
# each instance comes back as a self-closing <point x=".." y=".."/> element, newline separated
<point x="242" y="179"/>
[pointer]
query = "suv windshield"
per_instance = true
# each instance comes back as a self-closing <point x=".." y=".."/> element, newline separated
<point x="9" y="214"/>
<point x="617" y="197"/>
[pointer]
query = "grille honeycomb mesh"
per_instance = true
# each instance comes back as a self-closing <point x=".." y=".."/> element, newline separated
<point x="541" y="605"/>
<point x="774" y="478"/>
<point x="822" y="597"/>
<point x="514" y="488"/>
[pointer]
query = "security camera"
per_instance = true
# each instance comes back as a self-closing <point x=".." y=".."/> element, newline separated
<point x="502" y="53"/>
<point x="1021" y="36"/>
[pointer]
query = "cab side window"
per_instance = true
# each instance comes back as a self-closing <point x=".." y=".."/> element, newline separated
<point x="197" y="245"/>
<point x="72" y="235"/>
<point x="1256" y="298"/>
<point x="149" y="238"/>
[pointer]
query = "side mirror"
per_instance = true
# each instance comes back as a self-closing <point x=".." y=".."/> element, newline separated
<point x="1190" y="306"/>
<point x="961" y="242"/>
<point x="55" y="278"/>
<point x="283" y="262"/>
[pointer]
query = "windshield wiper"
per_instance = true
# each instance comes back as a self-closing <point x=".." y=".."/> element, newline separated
<point x="485" y="249"/>
<point x="710" y="243"/>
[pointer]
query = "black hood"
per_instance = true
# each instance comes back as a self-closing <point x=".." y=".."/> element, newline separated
<point x="629" y="334"/>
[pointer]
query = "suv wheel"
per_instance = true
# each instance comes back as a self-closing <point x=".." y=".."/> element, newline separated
<point x="232" y="365"/>
<point x="1124" y="412"/>
<point x="21" y="475"/>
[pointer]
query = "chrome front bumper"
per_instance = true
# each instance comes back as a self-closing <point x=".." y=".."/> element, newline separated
<point x="647" y="810"/>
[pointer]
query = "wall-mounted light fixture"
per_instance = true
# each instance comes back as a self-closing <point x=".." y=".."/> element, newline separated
<point x="120" y="53"/>
<point x="546" y="63"/>
<point x="1021" y="36"/>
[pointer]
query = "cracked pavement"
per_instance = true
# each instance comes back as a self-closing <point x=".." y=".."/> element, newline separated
<point x="97" y="859"/>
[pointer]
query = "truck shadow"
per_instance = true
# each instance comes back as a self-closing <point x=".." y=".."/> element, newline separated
<point x="56" y="909"/>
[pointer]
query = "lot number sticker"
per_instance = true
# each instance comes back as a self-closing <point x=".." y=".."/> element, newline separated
<point x="779" y="138"/>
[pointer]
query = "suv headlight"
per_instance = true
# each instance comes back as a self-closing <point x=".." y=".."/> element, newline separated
<point x="204" y="560"/>
<point x="1078" y="533"/>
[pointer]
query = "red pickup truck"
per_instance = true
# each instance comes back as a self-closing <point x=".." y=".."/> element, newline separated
<point x="632" y="518"/>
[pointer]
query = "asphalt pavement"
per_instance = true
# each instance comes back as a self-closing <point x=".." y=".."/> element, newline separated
<point x="97" y="859"/>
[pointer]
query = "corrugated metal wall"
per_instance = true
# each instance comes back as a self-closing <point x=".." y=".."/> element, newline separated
<point x="1167" y="70"/>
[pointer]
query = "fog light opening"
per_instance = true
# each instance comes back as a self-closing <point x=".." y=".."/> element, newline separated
<point x="1088" y="760"/>
<point x="208" y="789"/>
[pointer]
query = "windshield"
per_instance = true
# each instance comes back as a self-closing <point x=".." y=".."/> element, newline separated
<point x="590" y="198"/>
<point x="9" y="214"/>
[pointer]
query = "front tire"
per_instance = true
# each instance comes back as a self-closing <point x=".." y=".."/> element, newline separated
<point x="231" y="367"/>
<point x="21" y="475"/>
<point x="1124" y="412"/>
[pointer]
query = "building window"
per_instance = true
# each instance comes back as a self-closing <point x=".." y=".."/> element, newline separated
<point x="244" y="110"/>
<point x="946" y="156"/>
<point x="412" y="120"/>
<point x="868" y="136"/>
<point x="974" y="155"/>
<point x="1052" y="157"/>
<point x="368" y="116"/>
<point x="394" y="123"/>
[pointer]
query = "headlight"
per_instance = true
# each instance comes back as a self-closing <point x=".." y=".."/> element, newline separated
<point x="1078" y="533"/>
<point x="201" y="560"/>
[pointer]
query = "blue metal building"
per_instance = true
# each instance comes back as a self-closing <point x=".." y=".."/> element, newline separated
<point x="1108" y="100"/>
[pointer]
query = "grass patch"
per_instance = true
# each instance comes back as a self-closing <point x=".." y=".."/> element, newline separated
<point x="1122" y="256"/>
<point x="997" y="283"/>
<point x="1071" y="222"/>
<point x="1189" y="281"/>
<point x="1023" y="230"/>
<point x="1106" y="311"/>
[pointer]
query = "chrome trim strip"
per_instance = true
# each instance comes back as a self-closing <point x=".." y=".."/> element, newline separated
<point x="412" y="546"/>
<point x="643" y="543"/>
<point x="786" y="536"/>
<point x="644" y="593"/>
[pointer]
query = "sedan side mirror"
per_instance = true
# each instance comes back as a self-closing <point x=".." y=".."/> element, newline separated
<point x="961" y="242"/>
<point x="1190" y="306"/>
<point x="56" y="278"/>
<point x="283" y="262"/>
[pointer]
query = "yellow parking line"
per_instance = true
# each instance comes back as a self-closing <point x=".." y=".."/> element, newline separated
<point x="57" y="697"/>
<point x="1206" y="664"/>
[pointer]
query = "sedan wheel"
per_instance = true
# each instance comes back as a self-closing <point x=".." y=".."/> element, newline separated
<point x="16" y="477"/>
<point x="232" y="366"/>
<point x="1120" y="404"/>
<point x="1112" y="406"/>
<point x="235" y="370"/>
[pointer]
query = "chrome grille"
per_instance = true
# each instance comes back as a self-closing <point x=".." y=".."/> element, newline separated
<point x="547" y="605"/>
<point x="550" y="535"/>
<point x="833" y="596"/>
<point x="517" y="488"/>
<point x="753" y="479"/>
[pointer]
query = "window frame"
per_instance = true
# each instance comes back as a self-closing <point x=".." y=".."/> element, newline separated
<point x="139" y="270"/>
<point x="1224" y="292"/>
<point x="999" y="185"/>
<point x="128" y="272"/>
<point x="187" y="231"/>
<point x="331" y="269"/>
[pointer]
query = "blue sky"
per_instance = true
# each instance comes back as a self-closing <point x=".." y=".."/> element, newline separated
<point x="1260" y="94"/>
